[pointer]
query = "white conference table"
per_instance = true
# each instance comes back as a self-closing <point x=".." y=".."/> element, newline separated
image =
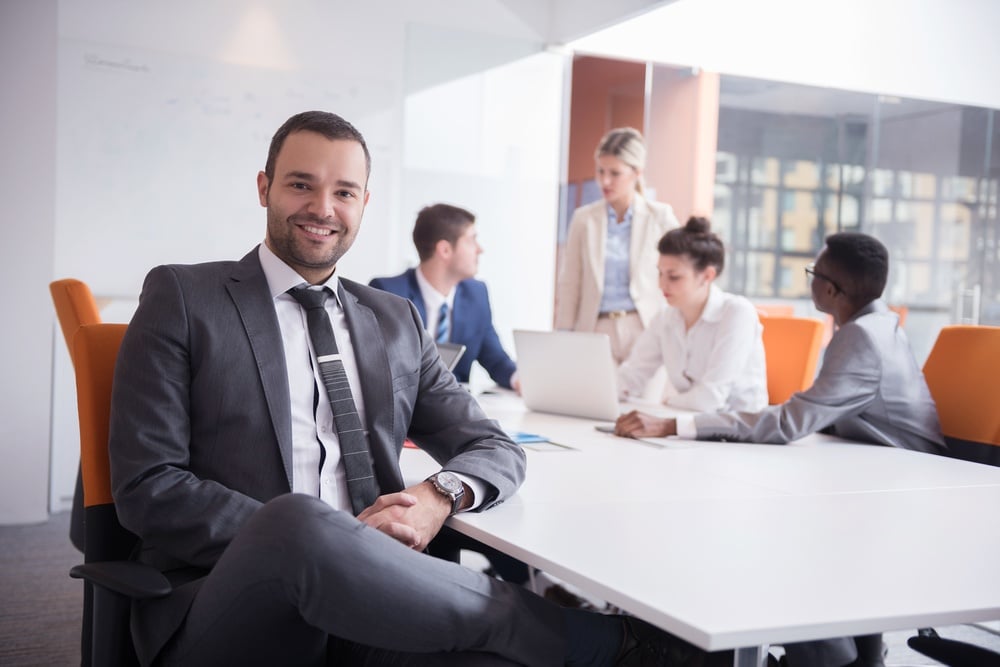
<point x="739" y="546"/>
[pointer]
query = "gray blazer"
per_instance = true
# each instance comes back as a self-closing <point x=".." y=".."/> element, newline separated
<point x="869" y="389"/>
<point x="201" y="427"/>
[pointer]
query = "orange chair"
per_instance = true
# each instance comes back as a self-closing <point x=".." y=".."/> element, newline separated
<point x="902" y="311"/>
<point x="75" y="307"/>
<point x="775" y="310"/>
<point x="961" y="372"/>
<point x="791" y="348"/>
<point x="111" y="580"/>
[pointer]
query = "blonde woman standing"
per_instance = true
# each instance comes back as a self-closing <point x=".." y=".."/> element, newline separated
<point x="608" y="280"/>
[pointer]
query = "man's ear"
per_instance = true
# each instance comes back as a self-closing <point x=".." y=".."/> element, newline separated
<point x="443" y="249"/>
<point x="262" y="186"/>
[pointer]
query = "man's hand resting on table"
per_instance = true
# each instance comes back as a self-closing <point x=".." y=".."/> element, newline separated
<point x="413" y="516"/>
<point x="637" y="424"/>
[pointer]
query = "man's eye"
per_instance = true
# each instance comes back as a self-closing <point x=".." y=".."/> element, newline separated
<point x="347" y="194"/>
<point x="300" y="186"/>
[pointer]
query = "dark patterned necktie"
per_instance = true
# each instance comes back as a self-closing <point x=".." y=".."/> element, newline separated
<point x="441" y="335"/>
<point x="354" y="450"/>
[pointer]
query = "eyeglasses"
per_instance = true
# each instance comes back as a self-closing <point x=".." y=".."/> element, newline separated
<point x="813" y="273"/>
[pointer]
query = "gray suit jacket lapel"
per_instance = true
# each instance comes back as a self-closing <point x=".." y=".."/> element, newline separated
<point x="250" y="293"/>
<point x="371" y="355"/>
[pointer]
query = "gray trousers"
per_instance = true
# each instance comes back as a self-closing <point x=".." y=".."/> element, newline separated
<point x="303" y="584"/>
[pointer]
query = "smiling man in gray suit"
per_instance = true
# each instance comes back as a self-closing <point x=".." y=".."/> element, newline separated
<point x="226" y="459"/>
<point x="869" y="389"/>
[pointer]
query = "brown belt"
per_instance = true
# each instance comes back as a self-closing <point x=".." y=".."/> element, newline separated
<point x="615" y="314"/>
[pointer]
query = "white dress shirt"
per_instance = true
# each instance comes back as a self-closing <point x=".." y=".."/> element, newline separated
<point x="432" y="303"/>
<point x="716" y="365"/>
<point x="316" y="468"/>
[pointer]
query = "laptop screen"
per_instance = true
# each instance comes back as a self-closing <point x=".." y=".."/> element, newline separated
<point x="568" y="373"/>
<point x="450" y="353"/>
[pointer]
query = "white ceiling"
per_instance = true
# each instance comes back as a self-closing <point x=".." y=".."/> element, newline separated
<point x="944" y="50"/>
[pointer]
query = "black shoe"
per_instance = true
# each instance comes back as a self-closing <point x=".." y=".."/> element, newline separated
<point x="648" y="646"/>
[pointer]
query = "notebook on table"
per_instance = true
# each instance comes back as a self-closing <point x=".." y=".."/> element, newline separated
<point x="567" y="373"/>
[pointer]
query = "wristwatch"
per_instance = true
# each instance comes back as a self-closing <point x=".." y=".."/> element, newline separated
<point x="448" y="484"/>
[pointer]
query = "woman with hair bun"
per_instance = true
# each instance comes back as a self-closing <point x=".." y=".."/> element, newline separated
<point x="708" y="340"/>
<point x="607" y="282"/>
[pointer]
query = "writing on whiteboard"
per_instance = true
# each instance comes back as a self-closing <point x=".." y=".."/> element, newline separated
<point x="125" y="64"/>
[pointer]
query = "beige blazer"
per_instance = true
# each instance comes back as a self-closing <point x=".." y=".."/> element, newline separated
<point x="581" y="277"/>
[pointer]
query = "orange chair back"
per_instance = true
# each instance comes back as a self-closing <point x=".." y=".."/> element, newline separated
<point x="961" y="372"/>
<point x="75" y="306"/>
<point x="774" y="310"/>
<point x="95" y="349"/>
<point x="791" y="348"/>
<point x="902" y="311"/>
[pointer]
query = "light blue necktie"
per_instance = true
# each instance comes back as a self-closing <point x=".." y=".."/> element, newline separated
<point x="441" y="335"/>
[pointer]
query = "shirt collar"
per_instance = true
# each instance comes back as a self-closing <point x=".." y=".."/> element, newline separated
<point x="714" y="305"/>
<point x="432" y="298"/>
<point x="281" y="277"/>
<point x="876" y="306"/>
<point x="627" y="218"/>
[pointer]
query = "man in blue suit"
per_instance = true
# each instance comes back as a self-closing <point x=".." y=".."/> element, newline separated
<point x="454" y="306"/>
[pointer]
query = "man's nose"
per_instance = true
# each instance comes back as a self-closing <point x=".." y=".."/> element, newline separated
<point x="322" y="204"/>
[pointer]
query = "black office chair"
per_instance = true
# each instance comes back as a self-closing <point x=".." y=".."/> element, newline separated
<point x="111" y="581"/>
<point x="961" y="372"/>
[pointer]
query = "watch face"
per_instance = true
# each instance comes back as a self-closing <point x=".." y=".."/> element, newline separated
<point x="449" y="482"/>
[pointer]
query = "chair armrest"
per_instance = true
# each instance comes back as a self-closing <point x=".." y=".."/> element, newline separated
<point x="953" y="652"/>
<point x="129" y="578"/>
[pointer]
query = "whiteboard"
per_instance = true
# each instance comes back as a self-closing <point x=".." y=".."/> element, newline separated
<point x="158" y="155"/>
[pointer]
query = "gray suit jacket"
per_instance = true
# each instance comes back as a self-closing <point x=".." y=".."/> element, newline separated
<point x="869" y="388"/>
<point x="201" y="427"/>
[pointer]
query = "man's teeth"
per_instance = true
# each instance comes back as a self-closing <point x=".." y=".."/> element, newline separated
<point x="318" y="230"/>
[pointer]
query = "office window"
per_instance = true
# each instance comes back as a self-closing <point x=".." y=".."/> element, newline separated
<point x="798" y="163"/>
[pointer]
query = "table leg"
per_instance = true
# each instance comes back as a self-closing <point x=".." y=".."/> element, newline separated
<point x="755" y="656"/>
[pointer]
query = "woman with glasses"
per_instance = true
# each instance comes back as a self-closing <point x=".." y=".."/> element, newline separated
<point x="607" y="282"/>
<point x="708" y="340"/>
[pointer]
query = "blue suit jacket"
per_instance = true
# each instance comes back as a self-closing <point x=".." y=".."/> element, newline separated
<point x="471" y="324"/>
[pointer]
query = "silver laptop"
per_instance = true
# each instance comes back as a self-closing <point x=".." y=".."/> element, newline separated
<point x="451" y="354"/>
<point x="568" y="373"/>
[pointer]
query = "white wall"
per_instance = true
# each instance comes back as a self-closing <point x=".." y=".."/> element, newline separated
<point x="27" y="184"/>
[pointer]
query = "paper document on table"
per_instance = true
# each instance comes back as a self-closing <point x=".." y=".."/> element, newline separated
<point x="667" y="443"/>
<point x="547" y="446"/>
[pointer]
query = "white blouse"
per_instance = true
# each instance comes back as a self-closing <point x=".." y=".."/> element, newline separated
<point x="716" y="365"/>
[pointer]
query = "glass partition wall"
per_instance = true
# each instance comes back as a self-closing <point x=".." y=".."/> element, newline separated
<point x="794" y="163"/>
